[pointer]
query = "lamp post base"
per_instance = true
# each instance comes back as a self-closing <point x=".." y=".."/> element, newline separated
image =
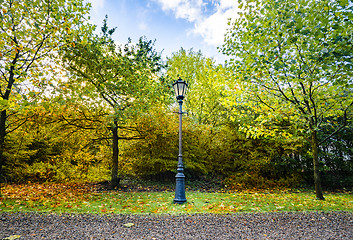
<point x="180" y="189"/>
<point x="179" y="201"/>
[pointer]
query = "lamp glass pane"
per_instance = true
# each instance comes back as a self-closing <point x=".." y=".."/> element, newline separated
<point x="175" y="85"/>
<point x="182" y="88"/>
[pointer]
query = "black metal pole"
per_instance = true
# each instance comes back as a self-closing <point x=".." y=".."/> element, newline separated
<point x="180" y="177"/>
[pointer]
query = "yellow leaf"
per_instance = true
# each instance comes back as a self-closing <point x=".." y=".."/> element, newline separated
<point x="12" y="237"/>
<point x="128" y="225"/>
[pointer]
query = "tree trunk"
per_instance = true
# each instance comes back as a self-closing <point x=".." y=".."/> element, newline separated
<point x="3" y="114"/>
<point x="115" y="168"/>
<point x="2" y="143"/>
<point x="317" y="179"/>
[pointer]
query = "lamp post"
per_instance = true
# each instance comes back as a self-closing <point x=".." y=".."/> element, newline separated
<point x="180" y="87"/>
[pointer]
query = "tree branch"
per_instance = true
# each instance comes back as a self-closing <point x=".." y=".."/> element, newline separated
<point x="341" y="127"/>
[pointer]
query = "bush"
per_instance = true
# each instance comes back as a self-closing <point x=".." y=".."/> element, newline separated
<point x="245" y="181"/>
<point x="47" y="150"/>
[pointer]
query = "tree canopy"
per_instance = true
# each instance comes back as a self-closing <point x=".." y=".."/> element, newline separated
<point x="206" y="81"/>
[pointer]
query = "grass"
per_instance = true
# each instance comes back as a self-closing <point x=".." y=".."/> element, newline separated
<point x="81" y="198"/>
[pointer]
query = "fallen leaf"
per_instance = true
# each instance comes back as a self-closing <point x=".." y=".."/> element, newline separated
<point x="12" y="237"/>
<point x="128" y="225"/>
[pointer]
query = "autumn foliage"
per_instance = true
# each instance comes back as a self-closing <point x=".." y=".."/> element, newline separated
<point x="87" y="109"/>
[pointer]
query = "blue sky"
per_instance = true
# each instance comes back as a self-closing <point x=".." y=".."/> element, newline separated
<point x="197" y="24"/>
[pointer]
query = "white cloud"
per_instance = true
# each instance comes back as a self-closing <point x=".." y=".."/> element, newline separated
<point x="97" y="4"/>
<point x="186" y="9"/>
<point x="211" y="26"/>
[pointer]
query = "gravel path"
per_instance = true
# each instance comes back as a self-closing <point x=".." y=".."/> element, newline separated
<point x="313" y="225"/>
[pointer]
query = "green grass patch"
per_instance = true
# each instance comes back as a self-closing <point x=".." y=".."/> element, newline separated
<point x="162" y="202"/>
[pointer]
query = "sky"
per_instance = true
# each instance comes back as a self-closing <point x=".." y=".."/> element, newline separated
<point x="196" y="24"/>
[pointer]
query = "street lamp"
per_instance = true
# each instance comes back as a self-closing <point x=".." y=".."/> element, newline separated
<point x="180" y="87"/>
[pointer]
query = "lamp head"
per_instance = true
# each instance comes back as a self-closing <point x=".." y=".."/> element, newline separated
<point x="180" y="88"/>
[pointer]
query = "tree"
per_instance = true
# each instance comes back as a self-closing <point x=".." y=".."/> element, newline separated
<point x="121" y="79"/>
<point x="296" y="55"/>
<point x="206" y="81"/>
<point x="30" y="33"/>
